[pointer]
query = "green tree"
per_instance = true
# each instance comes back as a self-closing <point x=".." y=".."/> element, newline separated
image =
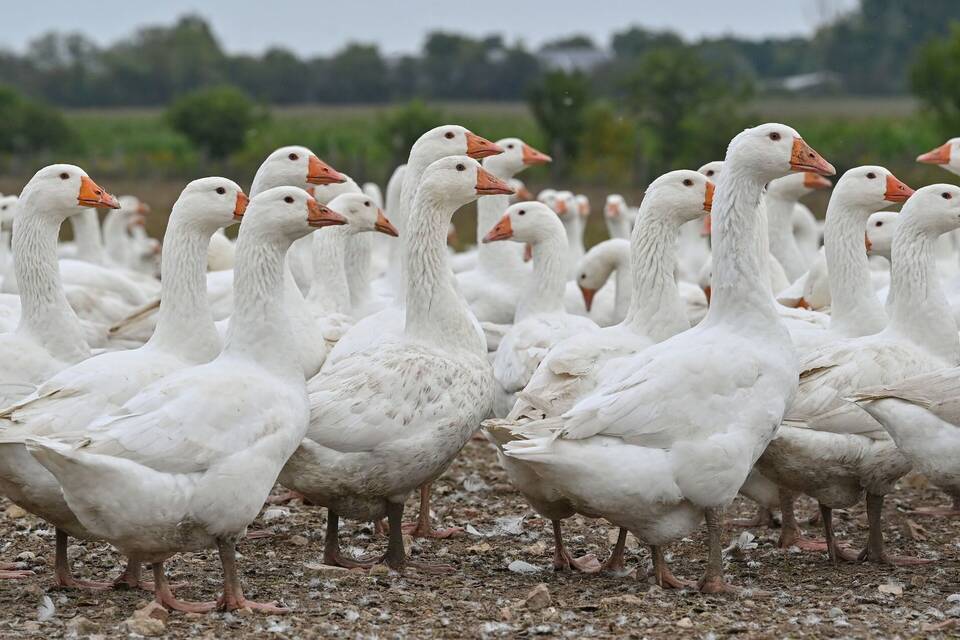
<point x="400" y="128"/>
<point x="216" y="120"/>
<point x="27" y="126"/>
<point x="559" y="104"/>
<point x="935" y="79"/>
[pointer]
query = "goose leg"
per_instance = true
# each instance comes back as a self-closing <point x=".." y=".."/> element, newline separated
<point x="834" y="549"/>
<point x="563" y="559"/>
<point x="662" y="575"/>
<point x="63" y="574"/>
<point x="712" y="580"/>
<point x="790" y="534"/>
<point x="875" y="551"/>
<point x="396" y="556"/>
<point x="164" y="595"/>
<point x="331" y="547"/>
<point x="232" y="598"/>
<point x="615" y="564"/>
<point x="422" y="528"/>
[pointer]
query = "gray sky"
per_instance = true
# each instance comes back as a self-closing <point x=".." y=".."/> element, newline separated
<point x="399" y="26"/>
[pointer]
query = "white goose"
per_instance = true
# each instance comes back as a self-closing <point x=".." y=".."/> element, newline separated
<point x="541" y="320"/>
<point x="391" y="418"/>
<point x="201" y="483"/>
<point x="48" y="337"/>
<point x="781" y="200"/>
<point x="669" y="460"/>
<point x="616" y="217"/>
<point x="494" y="287"/>
<point x="572" y="367"/>
<point x="65" y="404"/>
<point x="610" y="257"/>
<point x="831" y="449"/>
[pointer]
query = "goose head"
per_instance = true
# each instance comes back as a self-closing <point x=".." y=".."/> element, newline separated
<point x="712" y="169"/>
<point x="362" y="214"/>
<point x="457" y="180"/>
<point x="289" y="213"/>
<point x="453" y="140"/>
<point x="212" y="203"/>
<point x="521" y="193"/>
<point x="934" y="209"/>
<point x="133" y="205"/>
<point x="794" y="186"/>
<point x="615" y="206"/>
<point x="946" y="155"/>
<point x="295" y="165"/>
<point x="770" y="151"/>
<point x="527" y="222"/>
<point x="63" y="190"/>
<point x="325" y="193"/>
<point x="564" y="203"/>
<point x="8" y="208"/>
<point x="583" y="205"/>
<point x="597" y="264"/>
<point x="881" y="226"/>
<point x="517" y="155"/>
<point x="869" y="188"/>
<point x="683" y="194"/>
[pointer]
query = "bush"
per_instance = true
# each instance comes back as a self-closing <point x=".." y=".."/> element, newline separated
<point x="400" y="128"/>
<point x="559" y="105"/>
<point x="216" y="120"/>
<point x="935" y="79"/>
<point x="27" y="125"/>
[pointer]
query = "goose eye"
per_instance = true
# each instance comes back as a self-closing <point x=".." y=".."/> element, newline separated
<point x="64" y="175"/>
<point x="521" y="212"/>
<point x="710" y="172"/>
<point x="509" y="146"/>
<point x="460" y="167"/>
<point x="448" y="135"/>
<point x="583" y="276"/>
<point x="946" y="196"/>
<point x="288" y="199"/>
<point x="871" y="175"/>
<point x="774" y="136"/>
<point x="293" y="156"/>
<point x="221" y="190"/>
<point x="367" y="203"/>
<point x="880" y="223"/>
<point x="688" y="182"/>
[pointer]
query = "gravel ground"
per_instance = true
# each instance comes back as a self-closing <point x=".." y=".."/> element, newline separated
<point x="501" y="559"/>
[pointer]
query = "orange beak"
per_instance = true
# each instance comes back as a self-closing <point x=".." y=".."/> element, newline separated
<point x="708" y="201"/>
<point x="940" y="155"/>
<point x="815" y="181"/>
<point x="532" y="156"/>
<point x="91" y="195"/>
<point x="241" y="206"/>
<point x="584" y="210"/>
<point x="490" y="185"/>
<point x="866" y="242"/>
<point x="896" y="190"/>
<point x="802" y="303"/>
<point x="503" y="230"/>
<point x="312" y="190"/>
<point x="561" y="207"/>
<point x="320" y="215"/>
<point x="612" y="211"/>
<point x="478" y="147"/>
<point x="143" y="208"/>
<point x="319" y="172"/>
<point x="804" y="158"/>
<point x="527" y="252"/>
<point x="385" y="226"/>
<point x="523" y="194"/>
<point x="706" y="292"/>
<point x="707" y="224"/>
<point x="588" y="296"/>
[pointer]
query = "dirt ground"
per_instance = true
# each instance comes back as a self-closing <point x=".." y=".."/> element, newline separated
<point x="505" y="553"/>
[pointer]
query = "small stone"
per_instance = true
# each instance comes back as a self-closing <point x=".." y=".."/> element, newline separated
<point x="685" y="623"/>
<point x="628" y="600"/>
<point x="74" y="551"/>
<point x="538" y="598"/>
<point x="407" y="543"/>
<point x="834" y="613"/>
<point x="26" y="556"/>
<point x="244" y="612"/>
<point x="892" y="588"/>
<point x="152" y="609"/>
<point x="145" y="626"/>
<point x="82" y="626"/>
<point x="299" y="541"/>
<point x="477" y="549"/>
<point x="519" y="566"/>
<point x="379" y="570"/>
<point x="319" y="569"/>
<point x="506" y="614"/>
<point x="15" y="512"/>
<point x="953" y="597"/>
<point x="275" y="513"/>
<point x="538" y="548"/>
<point x="918" y="581"/>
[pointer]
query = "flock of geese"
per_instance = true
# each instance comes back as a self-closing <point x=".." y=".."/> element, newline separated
<point x="711" y="347"/>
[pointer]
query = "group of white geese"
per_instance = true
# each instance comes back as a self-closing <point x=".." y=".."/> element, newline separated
<point x="711" y="347"/>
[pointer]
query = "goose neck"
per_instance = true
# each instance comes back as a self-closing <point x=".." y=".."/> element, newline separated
<point x="656" y="309"/>
<point x="855" y="308"/>
<point x="497" y="257"/>
<point x="546" y="286"/>
<point x="329" y="292"/>
<point x="359" y="252"/>
<point x="86" y="236"/>
<point x="783" y="245"/>
<point x="115" y="237"/>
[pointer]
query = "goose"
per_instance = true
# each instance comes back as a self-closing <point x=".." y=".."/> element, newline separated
<point x="48" y="337"/>
<point x="881" y="227"/>
<point x="541" y="319"/>
<point x="616" y="217"/>
<point x="496" y="284"/>
<point x="221" y="253"/>
<point x="571" y="368"/>
<point x="781" y="200"/>
<point x="69" y="401"/>
<point x="807" y="231"/>
<point x="567" y="207"/>
<point x="391" y="418"/>
<point x="116" y="242"/>
<point x="946" y="156"/>
<point x="670" y="461"/>
<point x="201" y="484"/>
<point x="610" y="257"/>
<point x="832" y="449"/>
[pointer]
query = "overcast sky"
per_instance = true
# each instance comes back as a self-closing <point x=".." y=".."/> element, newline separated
<point x="398" y="26"/>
